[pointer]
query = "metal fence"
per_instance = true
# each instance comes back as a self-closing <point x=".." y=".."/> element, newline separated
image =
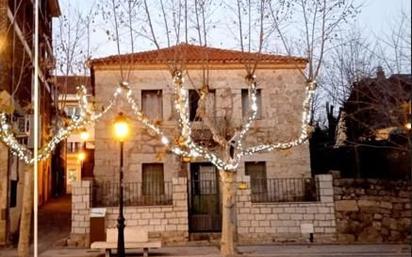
<point x="284" y="190"/>
<point x="106" y="194"/>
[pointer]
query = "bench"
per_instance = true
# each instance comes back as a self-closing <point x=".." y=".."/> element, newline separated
<point x="133" y="238"/>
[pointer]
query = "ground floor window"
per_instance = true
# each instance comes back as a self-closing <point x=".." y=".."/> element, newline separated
<point x="152" y="179"/>
<point x="257" y="173"/>
<point x="13" y="193"/>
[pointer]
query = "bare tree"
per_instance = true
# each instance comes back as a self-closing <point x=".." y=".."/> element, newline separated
<point x="351" y="59"/>
<point x="318" y="23"/>
<point x="394" y="51"/>
<point x="72" y="39"/>
<point x="226" y="142"/>
<point x="354" y="78"/>
<point x="320" y="19"/>
<point x="72" y="46"/>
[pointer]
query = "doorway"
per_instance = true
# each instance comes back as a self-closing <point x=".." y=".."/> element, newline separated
<point x="204" y="200"/>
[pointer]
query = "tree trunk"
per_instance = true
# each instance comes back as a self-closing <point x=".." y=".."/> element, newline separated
<point x="23" y="247"/>
<point x="227" y="247"/>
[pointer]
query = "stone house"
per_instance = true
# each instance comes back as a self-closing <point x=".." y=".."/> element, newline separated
<point x="78" y="149"/>
<point x="16" y="77"/>
<point x="177" y="199"/>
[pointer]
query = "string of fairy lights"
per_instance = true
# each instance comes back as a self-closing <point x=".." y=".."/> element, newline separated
<point x="183" y="146"/>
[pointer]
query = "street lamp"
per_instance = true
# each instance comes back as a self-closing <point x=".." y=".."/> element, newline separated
<point x="81" y="156"/>
<point x="121" y="131"/>
<point x="84" y="135"/>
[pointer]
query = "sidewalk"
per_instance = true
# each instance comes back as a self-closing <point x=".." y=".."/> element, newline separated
<point x="247" y="251"/>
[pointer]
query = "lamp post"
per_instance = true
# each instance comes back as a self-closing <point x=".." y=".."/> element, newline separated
<point x="121" y="131"/>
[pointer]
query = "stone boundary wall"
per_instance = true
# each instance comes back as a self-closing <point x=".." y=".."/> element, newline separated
<point x="81" y="202"/>
<point x="166" y="222"/>
<point x="280" y="222"/>
<point x="373" y="211"/>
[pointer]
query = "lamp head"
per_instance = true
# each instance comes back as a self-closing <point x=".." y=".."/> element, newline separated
<point x="81" y="156"/>
<point x="121" y="127"/>
<point x="84" y="135"/>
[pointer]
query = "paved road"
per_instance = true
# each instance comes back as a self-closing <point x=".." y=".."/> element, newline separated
<point x="250" y="251"/>
<point x="257" y="251"/>
<point x="328" y="251"/>
<point x="54" y="223"/>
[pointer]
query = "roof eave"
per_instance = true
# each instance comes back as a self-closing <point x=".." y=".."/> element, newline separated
<point x="197" y="66"/>
<point x="54" y="8"/>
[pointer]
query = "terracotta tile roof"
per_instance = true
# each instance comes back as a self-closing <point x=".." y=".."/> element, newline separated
<point x="193" y="54"/>
<point x="68" y="84"/>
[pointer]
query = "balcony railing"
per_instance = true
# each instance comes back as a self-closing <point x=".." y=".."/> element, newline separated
<point x="284" y="190"/>
<point x="106" y="194"/>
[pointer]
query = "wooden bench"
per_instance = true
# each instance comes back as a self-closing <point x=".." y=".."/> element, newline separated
<point x="133" y="238"/>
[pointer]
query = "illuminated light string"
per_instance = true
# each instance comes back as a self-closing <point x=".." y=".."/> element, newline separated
<point x="305" y="129"/>
<point x="237" y="139"/>
<point x="185" y="147"/>
<point x="24" y="153"/>
<point x="182" y="107"/>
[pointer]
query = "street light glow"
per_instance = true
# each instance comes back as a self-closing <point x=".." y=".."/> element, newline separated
<point x="84" y="135"/>
<point x="121" y="127"/>
<point x="81" y="156"/>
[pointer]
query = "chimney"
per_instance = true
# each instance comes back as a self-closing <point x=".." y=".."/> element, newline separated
<point x="380" y="74"/>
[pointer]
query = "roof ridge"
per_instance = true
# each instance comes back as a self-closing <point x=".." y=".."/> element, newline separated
<point x="196" y="53"/>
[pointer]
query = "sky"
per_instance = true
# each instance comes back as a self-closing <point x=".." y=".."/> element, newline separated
<point x="376" y="18"/>
<point x="377" y="15"/>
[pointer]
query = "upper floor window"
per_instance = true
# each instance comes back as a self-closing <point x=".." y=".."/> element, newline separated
<point x="72" y="111"/>
<point x="194" y="98"/>
<point x="152" y="104"/>
<point x="74" y="146"/>
<point x="245" y="103"/>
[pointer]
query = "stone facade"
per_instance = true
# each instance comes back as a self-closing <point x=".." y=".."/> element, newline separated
<point x="281" y="222"/>
<point x="373" y="211"/>
<point x="282" y="90"/>
<point x="166" y="222"/>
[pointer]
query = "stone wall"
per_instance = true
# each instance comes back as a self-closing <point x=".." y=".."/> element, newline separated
<point x="166" y="222"/>
<point x="373" y="211"/>
<point x="281" y="222"/>
<point x="3" y="193"/>
<point x="81" y="202"/>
